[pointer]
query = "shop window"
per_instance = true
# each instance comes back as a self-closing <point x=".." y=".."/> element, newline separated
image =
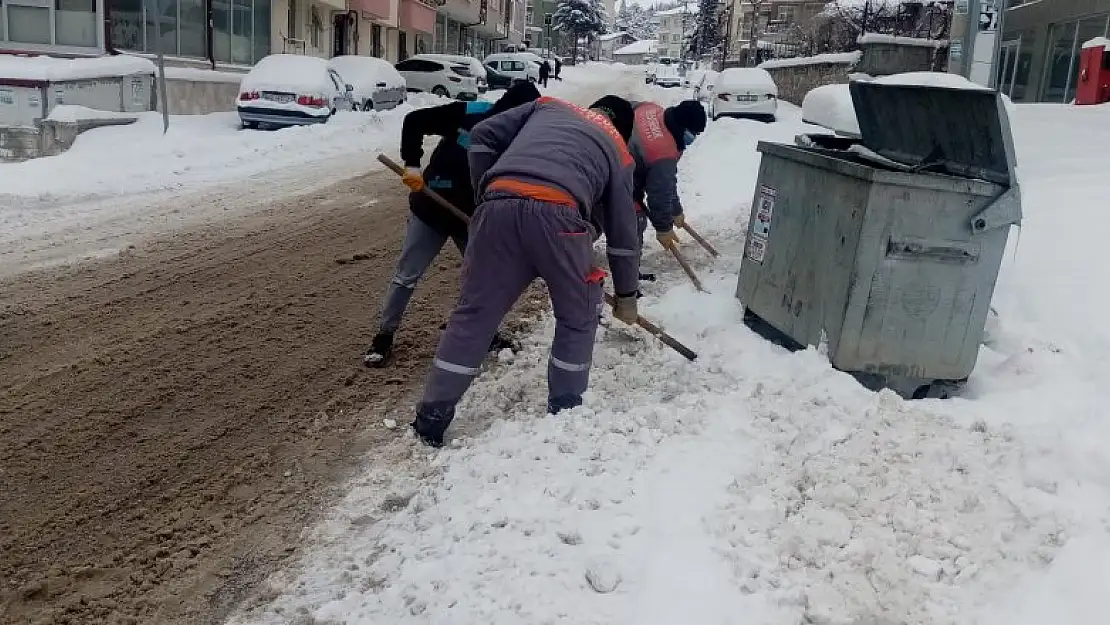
<point x="261" y="30"/>
<point x="127" y="24"/>
<point x="315" y="28"/>
<point x="75" y="23"/>
<point x="1061" y="43"/>
<point x="192" y="29"/>
<point x="1089" y="28"/>
<point x="241" y="32"/>
<point x="168" y="19"/>
<point x="28" y="24"/>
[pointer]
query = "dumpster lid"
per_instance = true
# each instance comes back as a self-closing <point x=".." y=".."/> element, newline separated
<point x="957" y="131"/>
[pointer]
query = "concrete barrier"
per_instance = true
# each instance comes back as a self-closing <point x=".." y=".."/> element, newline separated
<point x="191" y="91"/>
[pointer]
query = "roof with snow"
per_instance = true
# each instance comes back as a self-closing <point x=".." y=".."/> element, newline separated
<point x="48" y="68"/>
<point x="692" y="9"/>
<point x="644" y="46"/>
<point x="844" y="58"/>
<point x="612" y="36"/>
<point x="901" y="41"/>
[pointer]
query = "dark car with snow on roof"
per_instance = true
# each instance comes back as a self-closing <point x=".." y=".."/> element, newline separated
<point x="292" y="90"/>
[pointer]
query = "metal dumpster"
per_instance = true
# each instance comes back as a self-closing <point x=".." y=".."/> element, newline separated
<point x="889" y="248"/>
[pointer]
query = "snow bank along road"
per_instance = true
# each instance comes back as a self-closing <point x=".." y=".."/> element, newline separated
<point x="756" y="486"/>
<point x="172" y="415"/>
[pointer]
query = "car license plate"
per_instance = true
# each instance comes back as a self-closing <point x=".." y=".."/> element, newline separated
<point x="747" y="97"/>
<point x="282" y="98"/>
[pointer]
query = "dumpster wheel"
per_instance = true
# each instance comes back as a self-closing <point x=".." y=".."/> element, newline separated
<point x="939" y="389"/>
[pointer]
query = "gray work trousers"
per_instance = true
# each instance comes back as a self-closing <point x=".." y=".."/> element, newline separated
<point x="421" y="246"/>
<point x="513" y="242"/>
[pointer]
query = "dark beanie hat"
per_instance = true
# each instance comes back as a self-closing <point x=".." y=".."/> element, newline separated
<point x="689" y="115"/>
<point x="619" y="111"/>
<point x="519" y="93"/>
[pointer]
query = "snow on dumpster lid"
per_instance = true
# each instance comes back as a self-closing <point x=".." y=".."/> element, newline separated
<point x="952" y="130"/>
<point x="930" y="79"/>
<point x="48" y="68"/>
<point x="844" y="58"/>
<point x="1097" y="42"/>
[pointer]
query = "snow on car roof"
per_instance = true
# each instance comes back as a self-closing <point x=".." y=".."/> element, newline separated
<point x="366" y="69"/>
<point x="47" y="68"/>
<point x="747" y="77"/>
<point x="305" y="74"/>
<point x="830" y="106"/>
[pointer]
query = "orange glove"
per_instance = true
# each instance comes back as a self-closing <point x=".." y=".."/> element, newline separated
<point x="679" y="220"/>
<point x="413" y="179"/>
<point x="667" y="239"/>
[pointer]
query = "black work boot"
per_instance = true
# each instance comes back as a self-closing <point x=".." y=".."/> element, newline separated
<point x="431" y="422"/>
<point x="563" y="402"/>
<point x="500" y="342"/>
<point x="381" y="348"/>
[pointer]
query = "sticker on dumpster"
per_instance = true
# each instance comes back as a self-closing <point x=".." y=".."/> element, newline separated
<point x="763" y="213"/>
<point x="756" y="249"/>
<point x="7" y="97"/>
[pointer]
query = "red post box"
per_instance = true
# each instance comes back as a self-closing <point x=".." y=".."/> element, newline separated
<point x="1094" y="72"/>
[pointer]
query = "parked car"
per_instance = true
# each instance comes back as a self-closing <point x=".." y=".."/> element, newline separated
<point x="291" y="90"/>
<point x="745" y="92"/>
<point x="477" y="70"/>
<point x="518" y="65"/>
<point x="497" y="80"/>
<point x="666" y="67"/>
<point x="441" y="77"/>
<point x="378" y="86"/>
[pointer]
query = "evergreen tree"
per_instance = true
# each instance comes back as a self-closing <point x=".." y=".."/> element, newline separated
<point x="707" y="37"/>
<point x="579" y="18"/>
<point x="636" y="21"/>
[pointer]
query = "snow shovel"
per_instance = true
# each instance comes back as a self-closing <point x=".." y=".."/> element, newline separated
<point x="655" y="330"/>
<point x="700" y="239"/>
<point x="687" y="268"/>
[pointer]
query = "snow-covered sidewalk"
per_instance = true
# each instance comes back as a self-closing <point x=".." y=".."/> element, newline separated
<point x="758" y="486"/>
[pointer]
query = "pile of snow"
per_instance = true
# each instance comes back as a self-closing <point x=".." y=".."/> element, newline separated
<point x="194" y="74"/>
<point x="839" y="58"/>
<point x="72" y="114"/>
<point x="867" y="38"/>
<point x="48" y="68"/>
<point x="830" y="106"/>
<point x="1097" y="42"/>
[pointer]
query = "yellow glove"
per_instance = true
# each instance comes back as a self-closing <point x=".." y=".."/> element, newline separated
<point x="667" y="239"/>
<point x="624" y="308"/>
<point x="679" y="221"/>
<point x="413" y="179"/>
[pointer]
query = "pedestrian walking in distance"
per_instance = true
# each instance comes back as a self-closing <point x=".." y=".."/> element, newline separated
<point x="549" y="175"/>
<point x="545" y="72"/>
<point x="659" y="137"/>
<point x="430" y="225"/>
<point x="558" y="68"/>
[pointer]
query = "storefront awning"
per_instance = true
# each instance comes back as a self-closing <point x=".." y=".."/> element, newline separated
<point x="376" y="9"/>
<point x="417" y="16"/>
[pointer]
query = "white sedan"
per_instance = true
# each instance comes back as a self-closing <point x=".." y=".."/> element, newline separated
<point x="745" y="92"/>
<point x="291" y="90"/>
<point x="378" y="86"/>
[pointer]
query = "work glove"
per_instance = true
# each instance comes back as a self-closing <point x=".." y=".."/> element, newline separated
<point x="679" y="221"/>
<point x="667" y="239"/>
<point x="413" y="179"/>
<point x="624" y="308"/>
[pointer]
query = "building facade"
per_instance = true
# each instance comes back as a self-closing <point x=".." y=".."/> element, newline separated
<point x="675" y="28"/>
<point x="237" y="33"/>
<point x="777" y="26"/>
<point x="1039" y="54"/>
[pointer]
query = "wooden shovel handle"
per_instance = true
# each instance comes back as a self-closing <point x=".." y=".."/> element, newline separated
<point x="439" y="199"/>
<point x="687" y="268"/>
<point x="658" y="332"/>
<point x="700" y="239"/>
